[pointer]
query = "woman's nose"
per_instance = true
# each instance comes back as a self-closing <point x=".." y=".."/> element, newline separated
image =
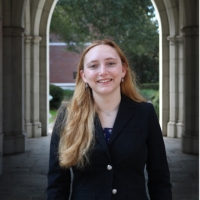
<point x="102" y="70"/>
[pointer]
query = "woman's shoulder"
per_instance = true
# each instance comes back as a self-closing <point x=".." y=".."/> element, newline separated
<point x="61" y="116"/>
<point x="140" y="108"/>
<point x="62" y="109"/>
<point x="140" y="105"/>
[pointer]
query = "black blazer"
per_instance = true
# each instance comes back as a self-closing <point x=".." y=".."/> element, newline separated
<point x="116" y="170"/>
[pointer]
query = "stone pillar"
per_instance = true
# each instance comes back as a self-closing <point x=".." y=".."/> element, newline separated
<point x="13" y="90"/>
<point x="35" y="88"/>
<point x="27" y="78"/>
<point x="181" y="86"/>
<point x="190" y="137"/>
<point x="164" y="83"/>
<point x="171" y="126"/>
<point x="44" y="84"/>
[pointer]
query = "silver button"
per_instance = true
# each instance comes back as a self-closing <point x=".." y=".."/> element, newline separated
<point x="114" y="191"/>
<point x="109" y="167"/>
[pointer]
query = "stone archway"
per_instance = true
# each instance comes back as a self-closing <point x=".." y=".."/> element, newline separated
<point x="24" y="75"/>
<point x="24" y="71"/>
<point x="179" y="70"/>
<point x="37" y="16"/>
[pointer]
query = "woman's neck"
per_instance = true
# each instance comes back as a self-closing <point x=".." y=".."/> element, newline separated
<point x="107" y="108"/>
<point x="107" y="103"/>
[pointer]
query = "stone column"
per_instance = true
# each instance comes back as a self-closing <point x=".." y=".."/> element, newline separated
<point x="190" y="137"/>
<point x="27" y="78"/>
<point x="44" y="84"/>
<point x="164" y="83"/>
<point x="13" y="90"/>
<point x="181" y="86"/>
<point x="35" y="88"/>
<point x="171" y="126"/>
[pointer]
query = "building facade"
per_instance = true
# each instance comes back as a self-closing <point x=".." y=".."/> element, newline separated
<point x="63" y="64"/>
<point x="24" y="71"/>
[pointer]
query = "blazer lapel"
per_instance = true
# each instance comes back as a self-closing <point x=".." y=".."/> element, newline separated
<point x="99" y="136"/>
<point x="124" y="114"/>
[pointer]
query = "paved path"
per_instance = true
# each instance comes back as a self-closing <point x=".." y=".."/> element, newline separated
<point x="24" y="175"/>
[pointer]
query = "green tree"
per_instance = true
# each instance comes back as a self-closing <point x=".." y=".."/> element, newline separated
<point x="130" y="23"/>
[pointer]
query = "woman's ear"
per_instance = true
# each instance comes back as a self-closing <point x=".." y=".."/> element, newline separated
<point x="124" y="69"/>
<point x="83" y="76"/>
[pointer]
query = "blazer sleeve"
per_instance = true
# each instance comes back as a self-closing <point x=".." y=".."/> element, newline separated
<point x="58" y="178"/>
<point x="159" y="185"/>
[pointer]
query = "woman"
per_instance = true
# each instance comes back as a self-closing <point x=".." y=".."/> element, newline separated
<point x="107" y="135"/>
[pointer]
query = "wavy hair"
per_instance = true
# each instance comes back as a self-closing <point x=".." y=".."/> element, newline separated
<point x="77" y="134"/>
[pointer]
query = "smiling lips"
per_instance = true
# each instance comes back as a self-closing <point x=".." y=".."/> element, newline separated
<point x="104" y="80"/>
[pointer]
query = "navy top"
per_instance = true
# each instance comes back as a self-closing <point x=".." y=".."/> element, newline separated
<point x="107" y="133"/>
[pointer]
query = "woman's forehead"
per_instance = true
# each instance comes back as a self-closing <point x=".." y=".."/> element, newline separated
<point x="101" y="52"/>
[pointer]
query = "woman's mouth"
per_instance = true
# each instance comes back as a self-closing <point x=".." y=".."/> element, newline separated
<point x="104" y="80"/>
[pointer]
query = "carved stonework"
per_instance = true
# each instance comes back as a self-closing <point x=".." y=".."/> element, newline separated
<point x="13" y="31"/>
<point x="190" y="31"/>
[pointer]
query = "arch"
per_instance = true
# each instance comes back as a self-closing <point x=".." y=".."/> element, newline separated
<point x="38" y="14"/>
<point x="27" y="18"/>
<point x="170" y="64"/>
<point x="37" y="7"/>
<point x="44" y="63"/>
<point x="179" y="71"/>
<point x="182" y="14"/>
<point x="172" y="14"/>
<point x="163" y="64"/>
<point x="180" y="18"/>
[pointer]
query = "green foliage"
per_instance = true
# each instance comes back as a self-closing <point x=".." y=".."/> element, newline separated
<point x="152" y="96"/>
<point x="155" y="102"/>
<point x="53" y="114"/>
<point x="68" y="94"/>
<point x="147" y="93"/>
<point x="145" y="68"/>
<point x="153" y="86"/>
<point x="131" y="24"/>
<point x="57" y="93"/>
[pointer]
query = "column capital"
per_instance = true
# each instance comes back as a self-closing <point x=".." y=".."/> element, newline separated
<point x="190" y="30"/>
<point x="36" y="39"/>
<point x="13" y="31"/>
<point x="175" y="39"/>
<point x="28" y="38"/>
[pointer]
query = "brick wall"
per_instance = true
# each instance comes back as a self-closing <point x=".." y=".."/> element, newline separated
<point x="63" y="64"/>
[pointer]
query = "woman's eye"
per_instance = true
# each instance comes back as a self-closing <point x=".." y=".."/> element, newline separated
<point x="111" y="63"/>
<point x="93" y="66"/>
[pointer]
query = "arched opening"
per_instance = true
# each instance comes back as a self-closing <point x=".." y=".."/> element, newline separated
<point x="133" y="35"/>
<point x="172" y="20"/>
<point x="37" y="20"/>
<point x="24" y="72"/>
<point x="25" y="77"/>
<point x="179" y="24"/>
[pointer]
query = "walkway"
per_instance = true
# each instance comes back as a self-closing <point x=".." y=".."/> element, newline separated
<point x="24" y="175"/>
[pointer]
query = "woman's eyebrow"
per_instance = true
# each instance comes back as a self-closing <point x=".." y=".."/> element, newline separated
<point x="92" y="61"/>
<point x="109" y="58"/>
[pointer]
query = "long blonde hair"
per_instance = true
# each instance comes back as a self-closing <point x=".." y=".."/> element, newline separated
<point x="77" y="135"/>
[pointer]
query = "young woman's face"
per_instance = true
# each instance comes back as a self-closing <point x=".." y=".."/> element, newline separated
<point x="103" y="70"/>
